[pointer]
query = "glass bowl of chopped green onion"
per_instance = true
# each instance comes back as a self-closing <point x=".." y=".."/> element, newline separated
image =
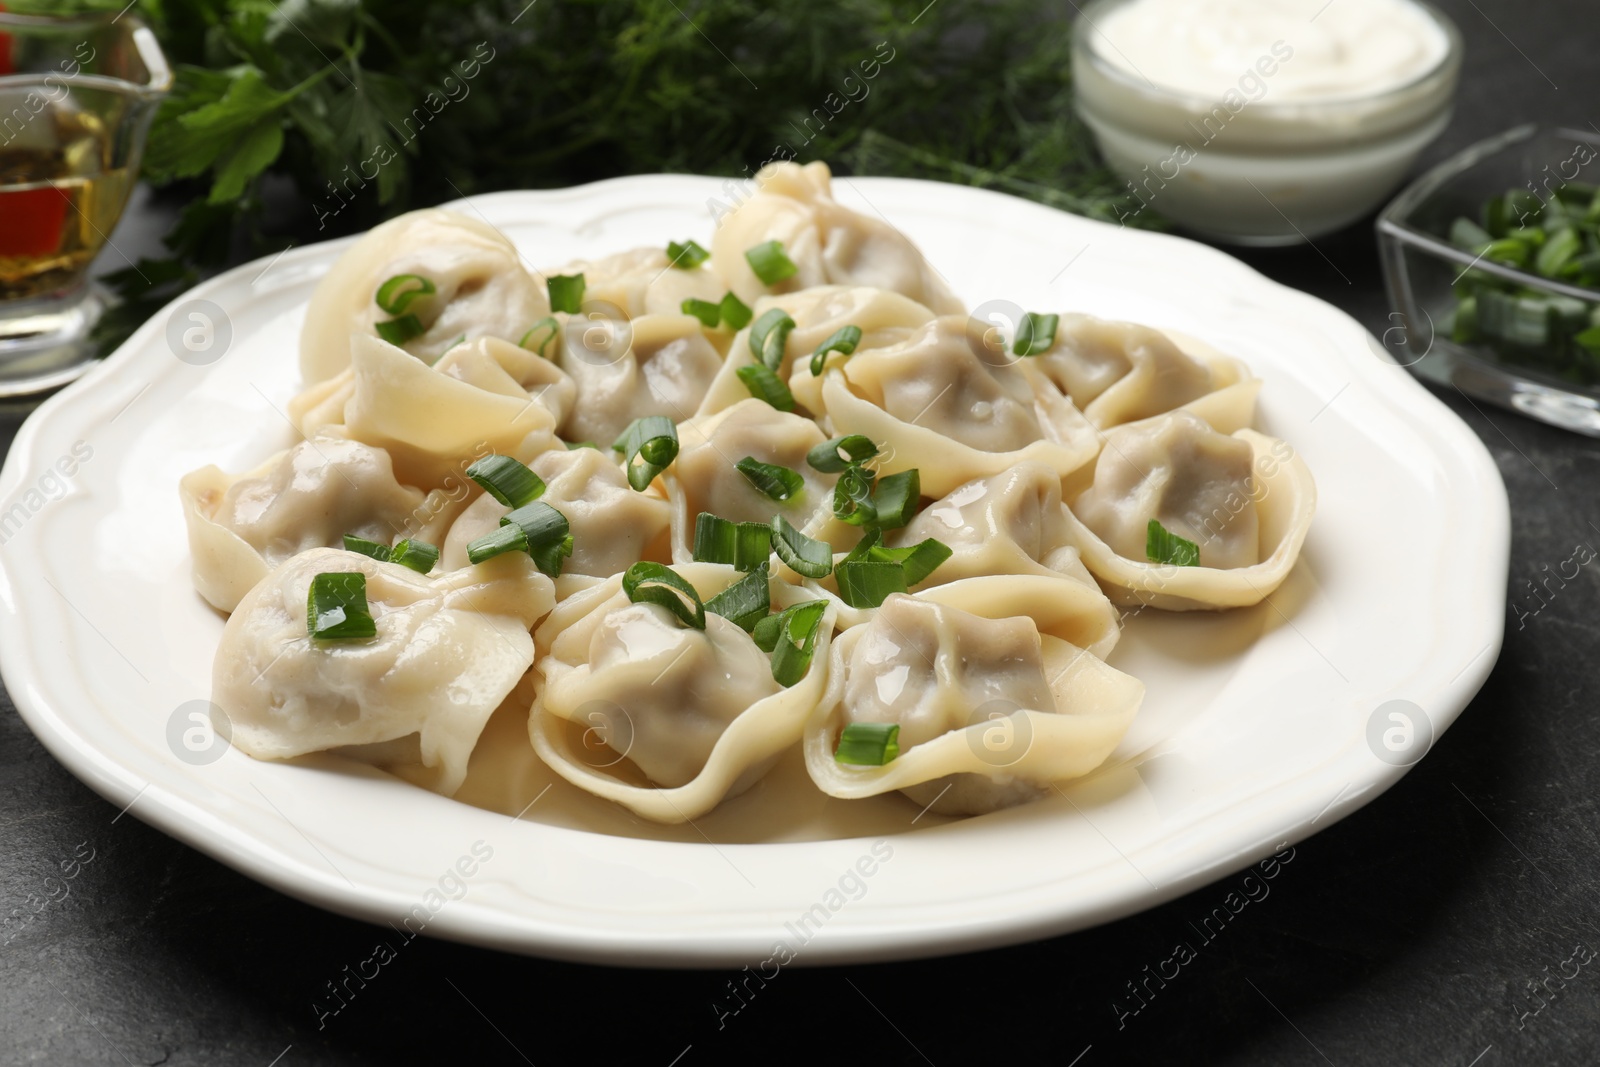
<point x="1492" y="261"/>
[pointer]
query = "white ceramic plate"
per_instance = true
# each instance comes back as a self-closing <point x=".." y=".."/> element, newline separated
<point x="1255" y="731"/>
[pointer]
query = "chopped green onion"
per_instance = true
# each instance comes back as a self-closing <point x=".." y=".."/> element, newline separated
<point x="742" y="545"/>
<point x="736" y="314"/>
<point x="653" y="583"/>
<point x="420" y="556"/>
<point x="868" y="542"/>
<point x="868" y="744"/>
<point x="777" y="483"/>
<point x="396" y="294"/>
<point x="336" y="607"/>
<point x="654" y="439"/>
<point x="826" y="457"/>
<point x="1036" y="334"/>
<point x="542" y="527"/>
<point x="686" y="255"/>
<point x="708" y="313"/>
<point x="897" y="499"/>
<point x="548" y="326"/>
<point x="770" y="336"/>
<point x="505" y="539"/>
<point x="507" y="480"/>
<point x="745" y="602"/>
<point x="814" y="559"/>
<point x="791" y="637"/>
<point x="845" y="341"/>
<point x="566" y="292"/>
<point x="765" y="385"/>
<point x="352" y="543"/>
<point x="551" y="557"/>
<point x="398" y="331"/>
<point x="1557" y="252"/>
<point x="770" y="263"/>
<point x="1163" y="546"/>
<point x="867" y="583"/>
<point x="919" y="560"/>
<point x="852" y="497"/>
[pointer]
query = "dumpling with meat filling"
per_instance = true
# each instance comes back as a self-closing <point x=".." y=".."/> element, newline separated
<point x="627" y="369"/>
<point x="1245" y="500"/>
<point x="642" y="281"/>
<point x="990" y="711"/>
<point x="412" y="699"/>
<point x="829" y="244"/>
<point x="1120" y="372"/>
<point x="480" y="289"/>
<point x="240" y="527"/>
<point x="612" y="526"/>
<point x="952" y="403"/>
<point x="666" y="719"/>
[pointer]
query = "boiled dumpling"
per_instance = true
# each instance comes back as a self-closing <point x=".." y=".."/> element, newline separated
<point x="991" y="711"/>
<point x="642" y="281"/>
<point x="828" y="243"/>
<point x="662" y="718"/>
<point x="612" y="526"/>
<point x="308" y="497"/>
<point x="481" y="289"/>
<point x="1120" y="372"/>
<point x="1245" y="500"/>
<point x="448" y="650"/>
<point x="624" y="370"/>
<point x="955" y="406"/>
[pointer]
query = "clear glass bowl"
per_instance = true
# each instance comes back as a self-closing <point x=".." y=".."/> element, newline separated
<point x="1517" y="347"/>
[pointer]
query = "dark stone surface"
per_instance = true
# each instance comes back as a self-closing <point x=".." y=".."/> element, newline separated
<point x="1406" y="934"/>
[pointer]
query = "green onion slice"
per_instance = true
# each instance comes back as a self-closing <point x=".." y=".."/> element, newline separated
<point x="566" y="292"/>
<point x="551" y="557"/>
<point x="791" y="637"/>
<point x="1161" y="545"/>
<point x="736" y="314"/>
<point x="918" y="560"/>
<point x="1036" y="334"/>
<point x="868" y="744"/>
<point x="765" y="385"/>
<point x="654" y="439"/>
<point x="507" y="480"/>
<point x="770" y="336"/>
<point x="852" y="497"/>
<point x="653" y="583"/>
<point x="867" y="583"/>
<point x="897" y="499"/>
<point x="845" y="341"/>
<point x="541" y="334"/>
<point x="870" y="540"/>
<point x="777" y="483"/>
<point x="398" y="331"/>
<point x="686" y="255"/>
<point x="352" y="543"/>
<point x="745" y="602"/>
<point x="833" y="456"/>
<point x="336" y="607"/>
<point x="506" y="539"/>
<point x="814" y="559"/>
<point x="770" y="263"/>
<point x="742" y="545"/>
<point x="396" y="294"/>
<point x="420" y="556"/>
<point x="708" y="313"/>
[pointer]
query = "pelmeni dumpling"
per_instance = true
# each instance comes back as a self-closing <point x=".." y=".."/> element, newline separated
<point x="705" y="478"/>
<point x="627" y="369"/>
<point x="612" y="526"/>
<point x="1120" y="372"/>
<point x="481" y="289"/>
<point x="1245" y="500"/>
<point x="308" y="497"/>
<point x="883" y="317"/>
<point x="991" y="711"/>
<point x="953" y="404"/>
<point x="1008" y="523"/>
<point x="447" y="652"/>
<point x="662" y="718"/>
<point x="828" y="243"/>
<point x="642" y="281"/>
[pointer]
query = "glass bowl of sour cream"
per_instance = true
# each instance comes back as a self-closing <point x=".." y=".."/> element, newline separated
<point x="1263" y="122"/>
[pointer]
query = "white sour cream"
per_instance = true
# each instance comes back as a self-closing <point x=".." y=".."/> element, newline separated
<point x="1322" y="49"/>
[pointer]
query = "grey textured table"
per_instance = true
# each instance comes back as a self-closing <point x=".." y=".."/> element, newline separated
<point x="1413" y="932"/>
